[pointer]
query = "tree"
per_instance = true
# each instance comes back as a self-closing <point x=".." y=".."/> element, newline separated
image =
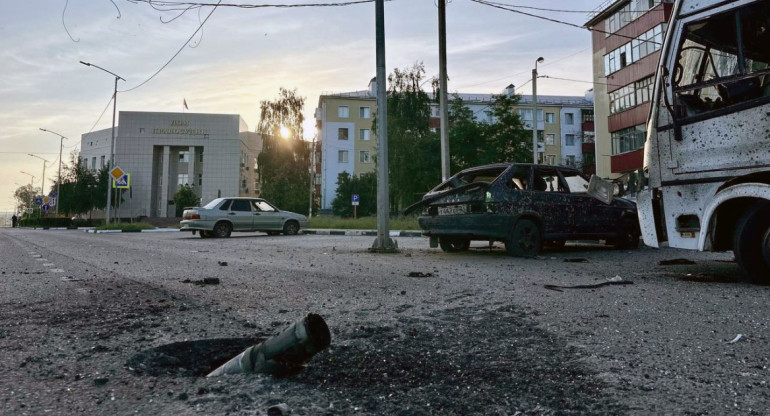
<point x="506" y="140"/>
<point x="364" y="185"/>
<point x="185" y="197"/>
<point x="78" y="193"/>
<point x="25" y="196"/>
<point x="285" y="158"/>
<point x="414" y="158"/>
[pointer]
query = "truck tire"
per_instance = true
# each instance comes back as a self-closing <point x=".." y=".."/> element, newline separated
<point x="751" y="243"/>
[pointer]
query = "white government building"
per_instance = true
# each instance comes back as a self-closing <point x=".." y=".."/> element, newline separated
<point x="213" y="153"/>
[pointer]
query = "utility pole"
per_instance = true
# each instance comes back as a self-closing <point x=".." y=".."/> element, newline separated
<point x="534" y="111"/>
<point x="383" y="243"/>
<point x="444" y="118"/>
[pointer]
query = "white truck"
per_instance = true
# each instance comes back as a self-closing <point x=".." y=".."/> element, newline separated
<point x="707" y="154"/>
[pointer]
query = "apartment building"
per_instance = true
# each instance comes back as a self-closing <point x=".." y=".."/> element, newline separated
<point x="344" y="122"/>
<point x="626" y="38"/>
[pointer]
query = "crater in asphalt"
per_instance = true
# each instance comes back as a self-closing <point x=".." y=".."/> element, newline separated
<point x="189" y="358"/>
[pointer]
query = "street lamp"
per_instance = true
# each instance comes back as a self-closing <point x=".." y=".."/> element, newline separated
<point x="42" y="180"/>
<point x="111" y="160"/>
<point x="58" y="180"/>
<point x="534" y="110"/>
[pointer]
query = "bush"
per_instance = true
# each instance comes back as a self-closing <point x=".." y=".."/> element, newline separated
<point x="128" y="227"/>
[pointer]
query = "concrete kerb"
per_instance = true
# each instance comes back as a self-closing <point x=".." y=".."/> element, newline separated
<point x="355" y="233"/>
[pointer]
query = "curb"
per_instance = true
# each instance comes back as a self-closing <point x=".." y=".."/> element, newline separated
<point x="360" y="233"/>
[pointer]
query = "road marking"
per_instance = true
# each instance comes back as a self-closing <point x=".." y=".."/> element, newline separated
<point x="36" y="255"/>
<point x="57" y="270"/>
<point x="49" y="264"/>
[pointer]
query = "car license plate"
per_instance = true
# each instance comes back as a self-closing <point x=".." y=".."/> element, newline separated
<point x="452" y="210"/>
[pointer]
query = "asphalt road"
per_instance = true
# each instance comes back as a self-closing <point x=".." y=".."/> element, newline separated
<point x="478" y="333"/>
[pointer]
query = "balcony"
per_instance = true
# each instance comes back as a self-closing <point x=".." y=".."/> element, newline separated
<point x="627" y="162"/>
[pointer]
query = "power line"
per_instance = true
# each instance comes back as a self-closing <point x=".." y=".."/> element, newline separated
<point x="577" y="80"/>
<point x="512" y="10"/>
<point x="112" y="97"/>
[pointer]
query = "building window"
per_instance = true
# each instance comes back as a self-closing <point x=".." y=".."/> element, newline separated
<point x="85" y="162"/>
<point x="102" y="161"/>
<point x="363" y="157"/>
<point x="342" y="133"/>
<point x="200" y="157"/>
<point x="569" y="139"/>
<point x="588" y="116"/>
<point x="365" y="112"/>
<point x="550" y="139"/>
<point x="639" y="47"/>
<point x="628" y="140"/>
<point x="93" y="162"/>
<point x="342" y="156"/>
<point x="569" y="118"/>
<point x="570" y="160"/>
<point x="200" y="179"/>
<point x="550" y="159"/>
<point x="184" y="156"/>
<point x="343" y="111"/>
<point x="550" y="118"/>
<point x="182" y="179"/>
<point x="364" y="134"/>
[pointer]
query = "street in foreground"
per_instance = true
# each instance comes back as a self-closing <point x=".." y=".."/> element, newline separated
<point x="126" y="324"/>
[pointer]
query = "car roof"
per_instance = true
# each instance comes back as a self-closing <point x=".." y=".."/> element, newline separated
<point x="509" y="164"/>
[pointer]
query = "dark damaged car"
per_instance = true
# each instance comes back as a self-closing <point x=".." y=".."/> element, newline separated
<point x="524" y="206"/>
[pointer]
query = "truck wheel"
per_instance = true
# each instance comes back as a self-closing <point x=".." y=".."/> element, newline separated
<point x="222" y="230"/>
<point x="751" y="243"/>
<point x="525" y="240"/>
<point x="454" y="244"/>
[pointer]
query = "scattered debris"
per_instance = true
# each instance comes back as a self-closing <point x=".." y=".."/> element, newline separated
<point x="205" y="281"/>
<point x="101" y="381"/>
<point x="284" y="353"/>
<point x="281" y="409"/>
<point x="420" y="274"/>
<point x="617" y="280"/>
<point x="736" y="339"/>
<point x="70" y="279"/>
<point x="676" y="262"/>
<point x="222" y="263"/>
<point x="576" y="260"/>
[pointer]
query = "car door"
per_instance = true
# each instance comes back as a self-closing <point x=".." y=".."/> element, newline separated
<point x="552" y="202"/>
<point x="241" y="215"/>
<point x="592" y="216"/>
<point x="266" y="216"/>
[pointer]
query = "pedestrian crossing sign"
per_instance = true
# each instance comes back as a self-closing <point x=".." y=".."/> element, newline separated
<point x="122" y="182"/>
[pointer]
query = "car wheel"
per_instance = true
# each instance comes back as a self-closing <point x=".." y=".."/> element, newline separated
<point x="525" y="239"/>
<point x="205" y="234"/>
<point x="290" y="228"/>
<point x="222" y="230"/>
<point x="454" y="244"/>
<point x="628" y="236"/>
<point x="751" y="243"/>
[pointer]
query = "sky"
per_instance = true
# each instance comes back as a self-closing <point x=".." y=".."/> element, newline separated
<point x="242" y="56"/>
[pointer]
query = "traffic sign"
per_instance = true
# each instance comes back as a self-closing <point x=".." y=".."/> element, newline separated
<point x="38" y="201"/>
<point x="116" y="172"/>
<point x="53" y="193"/>
<point x="45" y="207"/>
<point x="122" y="182"/>
<point x="46" y="200"/>
<point x="355" y="199"/>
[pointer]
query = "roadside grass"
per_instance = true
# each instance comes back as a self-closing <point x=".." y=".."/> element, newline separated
<point x="129" y="227"/>
<point x="365" y="223"/>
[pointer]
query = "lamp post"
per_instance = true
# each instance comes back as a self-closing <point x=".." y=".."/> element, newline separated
<point x="31" y="185"/>
<point x="42" y="181"/>
<point x="111" y="161"/>
<point x="58" y="180"/>
<point x="534" y="110"/>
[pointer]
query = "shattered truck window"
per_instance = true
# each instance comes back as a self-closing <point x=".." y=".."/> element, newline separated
<point x="724" y="61"/>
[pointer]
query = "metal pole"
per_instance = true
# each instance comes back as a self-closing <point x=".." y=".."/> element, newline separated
<point x="312" y="179"/>
<point x="444" y="118"/>
<point x="58" y="181"/>
<point x="534" y="111"/>
<point x="111" y="161"/>
<point x="383" y="243"/>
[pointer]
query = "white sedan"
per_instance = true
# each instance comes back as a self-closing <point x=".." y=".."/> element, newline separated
<point x="222" y="216"/>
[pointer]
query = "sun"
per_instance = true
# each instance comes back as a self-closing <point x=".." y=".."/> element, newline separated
<point x="285" y="132"/>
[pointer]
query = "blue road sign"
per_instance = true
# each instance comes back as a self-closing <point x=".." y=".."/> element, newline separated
<point x="45" y="207"/>
<point x="38" y="201"/>
<point x="124" y="181"/>
<point x="355" y="199"/>
<point x="53" y="193"/>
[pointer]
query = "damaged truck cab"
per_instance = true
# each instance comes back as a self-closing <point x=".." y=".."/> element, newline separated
<point x="707" y="154"/>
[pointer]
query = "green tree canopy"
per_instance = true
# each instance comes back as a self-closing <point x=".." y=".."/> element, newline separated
<point x="283" y="164"/>
<point x="364" y="185"/>
<point x="185" y="197"/>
